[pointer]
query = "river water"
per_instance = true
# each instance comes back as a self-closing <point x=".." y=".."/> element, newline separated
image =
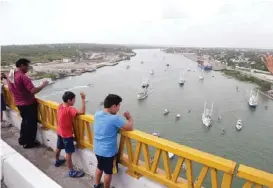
<point x="252" y="146"/>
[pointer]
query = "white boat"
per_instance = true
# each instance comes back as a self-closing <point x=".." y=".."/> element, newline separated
<point x="253" y="100"/>
<point x="177" y="116"/>
<point x="239" y="125"/>
<point x="171" y="155"/>
<point x="166" y="111"/>
<point x="145" y="84"/>
<point x="201" y="76"/>
<point x="151" y="71"/>
<point x="184" y="168"/>
<point x="189" y="69"/>
<point x="156" y="134"/>
<point x="142" y="94"/>
<point x="206" y="116"/>
<point x="181" y="80"/>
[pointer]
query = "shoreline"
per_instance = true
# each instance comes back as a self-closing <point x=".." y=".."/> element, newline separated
<point x="264" y="86"/>
<point x="56" y="71"/>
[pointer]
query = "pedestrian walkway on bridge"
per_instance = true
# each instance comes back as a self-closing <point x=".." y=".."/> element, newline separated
<point x="44" y="158"/>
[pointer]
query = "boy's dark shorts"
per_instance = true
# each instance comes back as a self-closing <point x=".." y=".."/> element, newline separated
<point x="3" y="103"/>
<point x="66" y="143"/>
<point x="109" y="165"/>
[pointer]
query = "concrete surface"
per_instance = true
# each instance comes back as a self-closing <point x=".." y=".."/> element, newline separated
<point x="43" y="158"/>
<point x="85" y="159"/>
<point x="18" y="172"/>
<point x="3" y="185"/>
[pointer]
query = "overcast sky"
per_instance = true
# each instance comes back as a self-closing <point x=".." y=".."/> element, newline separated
<point x="205" y="23"/>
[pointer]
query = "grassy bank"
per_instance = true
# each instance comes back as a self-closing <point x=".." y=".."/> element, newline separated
<point x="264" y="86"/>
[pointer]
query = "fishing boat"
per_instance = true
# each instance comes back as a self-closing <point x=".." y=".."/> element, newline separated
<point x="184" y="167"/>
<point x="181" y="80"/>
<point x="223" y="131"/>
<point x="239" y="125"/>
<point x="156" y="134"/>
<point x="201" y="76"/>
<point x="145" y="84"/>
<point x="253" y="100"/>
<point x="142" y="94"/>
<point x="151" y="71"/>
<point x="142" y="62"/>
<point x="166" y="111"/>
<point x="204" y="65"/>
<point x="128" y="66"/>
<point x="206" y="116"/>
<point x="171" y="155"/>
<point x="177" y="116"/>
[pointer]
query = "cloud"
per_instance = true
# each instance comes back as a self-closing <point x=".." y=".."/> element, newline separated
<point x="244" y="23"/>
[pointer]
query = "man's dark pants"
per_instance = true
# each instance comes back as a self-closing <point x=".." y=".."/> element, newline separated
<point x="29" y="114"/>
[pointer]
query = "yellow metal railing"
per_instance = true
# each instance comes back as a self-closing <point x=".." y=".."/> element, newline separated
<point x="255" y="177"/>
<point x="136" y="144"/>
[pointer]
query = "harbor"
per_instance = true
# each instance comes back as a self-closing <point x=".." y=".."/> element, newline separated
<point x="165" y="92"/>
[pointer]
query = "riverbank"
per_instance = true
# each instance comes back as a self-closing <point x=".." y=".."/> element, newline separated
<point x="59" y="69"/>
<point x="263" y="85"/>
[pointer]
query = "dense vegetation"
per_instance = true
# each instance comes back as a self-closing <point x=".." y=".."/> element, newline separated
<point x="249" y="58"/>
<point x="264" y="86"/>
<point x="49" y="52"/>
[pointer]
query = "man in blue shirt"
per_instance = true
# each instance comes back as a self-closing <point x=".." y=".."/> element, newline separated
<point x="106" y="126"/>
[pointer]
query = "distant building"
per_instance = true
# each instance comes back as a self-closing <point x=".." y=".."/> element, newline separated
<point x="66" y="60"/>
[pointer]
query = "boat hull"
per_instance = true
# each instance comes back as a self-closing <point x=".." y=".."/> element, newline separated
<point x="205" y="67"/>
<point x="252" y="105"/>
<point x="142" y="97"/>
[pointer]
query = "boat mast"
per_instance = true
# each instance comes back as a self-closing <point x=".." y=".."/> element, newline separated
<point x="211" y="109"/>
<point x="204" y="107"/>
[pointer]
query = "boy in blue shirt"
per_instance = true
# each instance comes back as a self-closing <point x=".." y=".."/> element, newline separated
<point x="106" y="126"/>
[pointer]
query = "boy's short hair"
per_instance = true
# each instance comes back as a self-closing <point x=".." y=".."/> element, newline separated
<point x="111" y="100"/>
<point x="22" y="61"/>
<point x="68" y="95"/>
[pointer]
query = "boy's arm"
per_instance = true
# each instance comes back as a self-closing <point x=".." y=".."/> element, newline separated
<point x="129" y="125"/>
<point x="82" y="110"/>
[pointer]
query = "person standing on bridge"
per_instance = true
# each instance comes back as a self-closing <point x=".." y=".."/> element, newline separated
<point x="65" y="114"/>
<point x="106" y="126"/>
<point x="23" y="92"/>
<point x="3" y="103"/>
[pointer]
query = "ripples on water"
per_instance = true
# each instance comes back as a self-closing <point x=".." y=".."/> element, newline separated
<point x="251" y="146"/>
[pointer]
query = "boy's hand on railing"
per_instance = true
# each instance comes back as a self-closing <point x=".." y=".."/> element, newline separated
<point x="82" y="95"/>
<point x="127" y="115"/>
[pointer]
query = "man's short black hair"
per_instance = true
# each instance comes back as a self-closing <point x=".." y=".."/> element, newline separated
<point x="22" y="61"/>
<point x="111" y="100"/>
<point x="68" y="95"/>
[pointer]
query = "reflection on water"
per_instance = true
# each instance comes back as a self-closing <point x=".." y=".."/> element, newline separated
<point x="251" y="146"/>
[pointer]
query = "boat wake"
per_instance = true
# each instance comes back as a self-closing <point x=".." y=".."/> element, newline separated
<point x="63" y="90"/>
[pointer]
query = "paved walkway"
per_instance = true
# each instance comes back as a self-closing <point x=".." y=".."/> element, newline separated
<point x="43" y="158"/>
<point x="3" y="185"/>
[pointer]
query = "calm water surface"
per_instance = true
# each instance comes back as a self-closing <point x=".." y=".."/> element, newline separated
<point x="252" y="146"/>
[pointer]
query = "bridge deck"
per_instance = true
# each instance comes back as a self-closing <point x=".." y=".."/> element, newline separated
<point x="43" y="158"/>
